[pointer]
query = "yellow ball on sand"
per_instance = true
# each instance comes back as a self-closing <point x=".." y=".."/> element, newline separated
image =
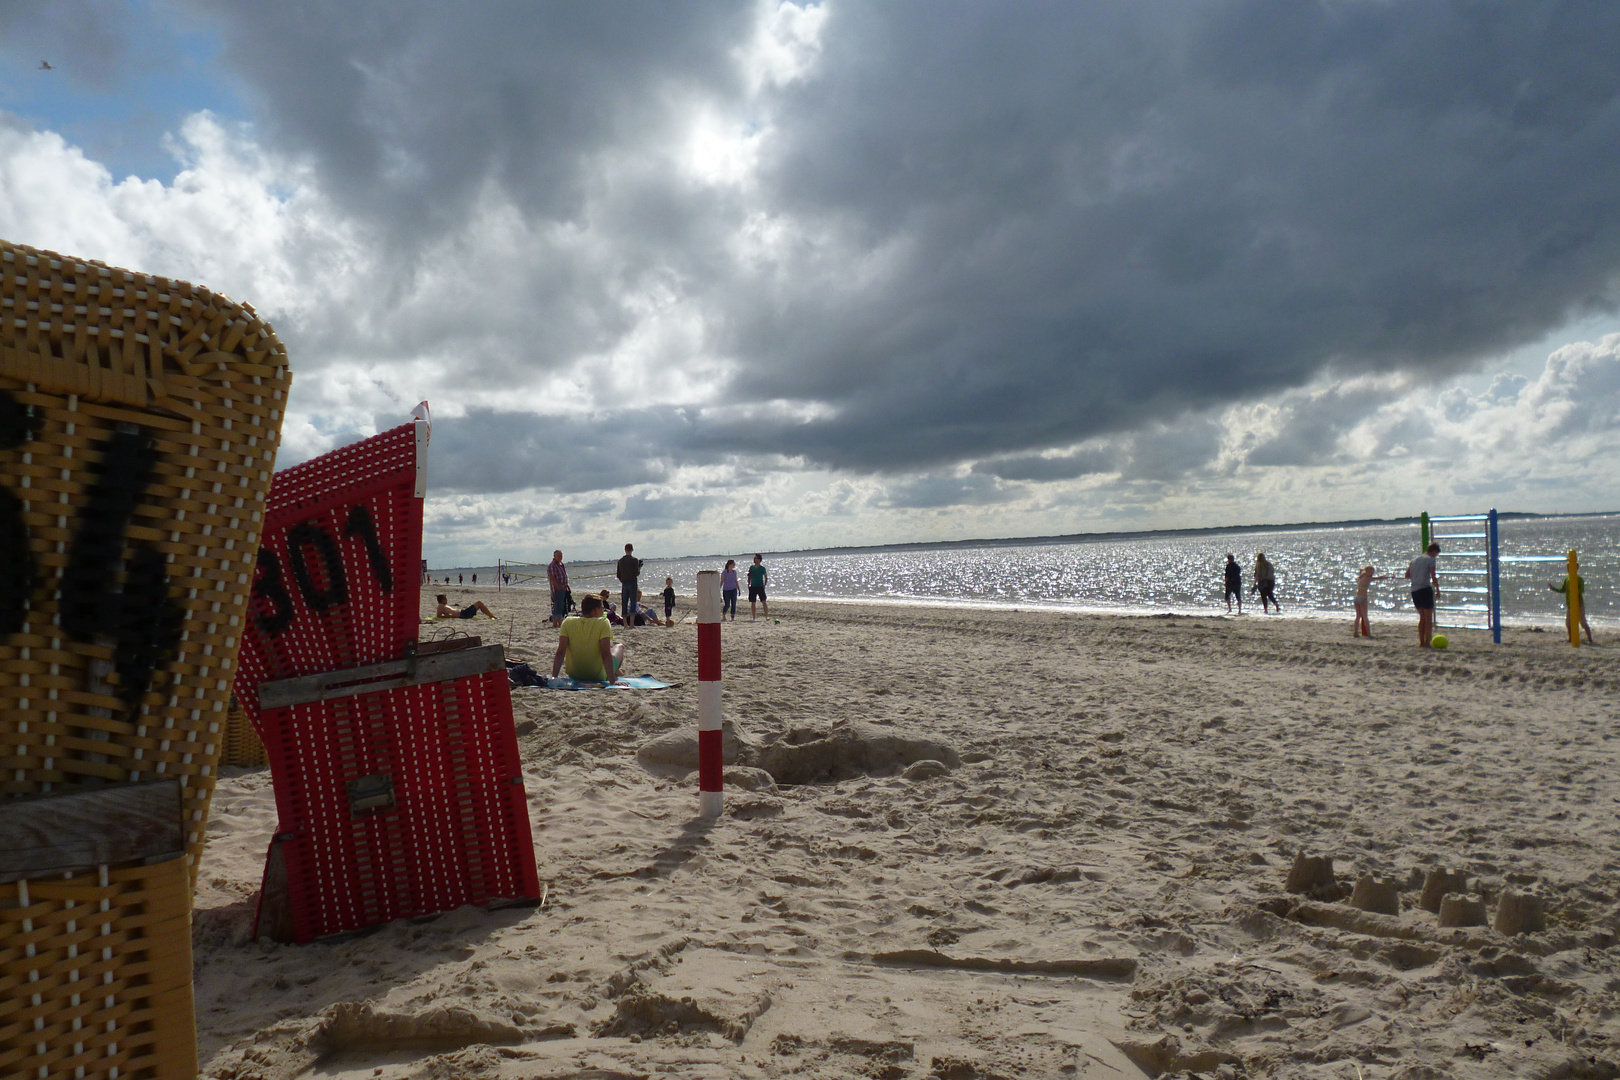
<point x="1439" y="641"/>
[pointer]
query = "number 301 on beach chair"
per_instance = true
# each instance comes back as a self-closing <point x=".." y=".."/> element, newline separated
<point x="396" y="770"/>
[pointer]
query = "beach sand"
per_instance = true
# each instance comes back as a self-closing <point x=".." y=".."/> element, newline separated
<point x="1095" y="889"/>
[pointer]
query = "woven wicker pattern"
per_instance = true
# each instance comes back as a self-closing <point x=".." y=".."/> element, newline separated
<point x="139" y="421"/>
<point x="95" y="976"/>
<point x="243" y="747"/>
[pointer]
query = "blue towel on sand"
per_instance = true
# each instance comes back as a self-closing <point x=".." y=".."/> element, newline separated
<point x="627" y="682"/>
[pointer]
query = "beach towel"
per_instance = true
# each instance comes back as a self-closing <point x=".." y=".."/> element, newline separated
<point x="626" y="682"/>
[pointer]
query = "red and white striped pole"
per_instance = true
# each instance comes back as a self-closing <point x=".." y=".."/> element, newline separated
<point x="711" y="766"/>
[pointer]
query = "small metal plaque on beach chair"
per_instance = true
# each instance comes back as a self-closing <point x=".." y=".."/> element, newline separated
<point x="371" y="794"/>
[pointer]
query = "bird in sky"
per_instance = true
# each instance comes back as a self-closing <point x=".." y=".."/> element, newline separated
<point x="45" y="65"/>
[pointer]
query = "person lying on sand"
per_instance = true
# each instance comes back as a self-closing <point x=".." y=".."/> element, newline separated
<point x="472" y="611"/>
<point x="586" y="646"/>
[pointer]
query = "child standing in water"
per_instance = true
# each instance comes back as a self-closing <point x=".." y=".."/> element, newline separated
<point x="1361" y="628"/>
<point x="728" y="590"/>
<point x="669" y="600"/>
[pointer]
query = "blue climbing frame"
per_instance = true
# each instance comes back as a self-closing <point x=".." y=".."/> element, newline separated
<point x="1491" y="571"/>
<point x="1484" y="563"/>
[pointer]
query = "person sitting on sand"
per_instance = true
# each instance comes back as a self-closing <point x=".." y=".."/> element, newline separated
<point x="1580" y="598"/>
<point x="609" y="611"/>
<point x="585" y="646"/>
<point x="1234" y="583"/>
<point x="640" y="614"/>
<point x="1360" y="627"/>
<point x="472" y="611"/>
<point x="1265" y="582"/>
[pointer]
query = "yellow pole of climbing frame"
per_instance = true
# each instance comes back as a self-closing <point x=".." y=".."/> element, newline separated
<point x="1572" y="601"/>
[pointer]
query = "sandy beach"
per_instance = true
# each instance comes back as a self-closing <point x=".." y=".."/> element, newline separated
<point x="1089" y="883"/>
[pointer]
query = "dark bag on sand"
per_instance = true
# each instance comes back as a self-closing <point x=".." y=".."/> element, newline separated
<point x="523" y="675"/>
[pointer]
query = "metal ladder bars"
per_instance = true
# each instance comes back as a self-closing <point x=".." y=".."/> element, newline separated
<point x="1491" y="591"/>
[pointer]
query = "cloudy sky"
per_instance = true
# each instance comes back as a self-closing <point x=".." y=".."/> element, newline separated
<point x="723" y="276"/>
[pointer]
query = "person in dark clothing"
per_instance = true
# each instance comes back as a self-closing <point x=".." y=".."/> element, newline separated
<point x="1234" y="583"/>
<point x="629" y="570"/>
<point x="1265" y="582"/>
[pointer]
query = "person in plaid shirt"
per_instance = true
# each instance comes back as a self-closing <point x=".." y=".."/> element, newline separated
<point x="557" y="574"/>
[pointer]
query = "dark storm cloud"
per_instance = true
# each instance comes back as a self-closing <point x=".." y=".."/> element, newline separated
<point x="1018" y="227"/>
<point x="1311" y="425"/>
<point x="487" y="451"/>
<point x="1166" y="452"/>
<point x="934" y="492"/>
<point x="663" y="511"/>
<point x="1057" y="467"/>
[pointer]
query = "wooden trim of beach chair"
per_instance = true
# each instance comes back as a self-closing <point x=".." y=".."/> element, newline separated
<point x="370" y="678"/>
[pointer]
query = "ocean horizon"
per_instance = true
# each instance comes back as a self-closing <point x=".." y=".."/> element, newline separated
<point x="1171" y="571"/>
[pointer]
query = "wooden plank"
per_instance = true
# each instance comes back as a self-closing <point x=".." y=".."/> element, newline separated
<point x="59" y="834"/>
<point x="370" y="678"/>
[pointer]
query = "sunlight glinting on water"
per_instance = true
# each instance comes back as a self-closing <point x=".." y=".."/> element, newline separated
<point x="1316" y="571"/>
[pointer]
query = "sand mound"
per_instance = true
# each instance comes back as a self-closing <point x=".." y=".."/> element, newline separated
<point x="677" y="751"/>
<point x="358" y="1025"/>
<point x="809" y="756"/>
<point x="645" y="1012"/>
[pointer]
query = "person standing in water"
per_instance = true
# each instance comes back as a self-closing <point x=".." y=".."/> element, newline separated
<point x="1265" y="582"/>
<point x="1234" y="583"/>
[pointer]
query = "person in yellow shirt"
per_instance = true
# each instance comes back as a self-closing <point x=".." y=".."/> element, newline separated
<point x="585" y="644"/>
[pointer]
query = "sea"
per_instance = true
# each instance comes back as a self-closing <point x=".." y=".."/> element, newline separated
<point x="1174" y="572"/>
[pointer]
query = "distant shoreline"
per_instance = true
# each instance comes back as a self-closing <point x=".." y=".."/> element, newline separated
<point x="1080" y="538"/>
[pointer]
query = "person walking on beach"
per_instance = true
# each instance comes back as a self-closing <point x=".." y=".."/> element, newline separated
<point x="1265" y="582"/>
<point x="586" y="646"/>
<point x="728" y="590"/>
<point x="628" y="571"/>
<point x="557" y="578"/>
<point x="1360" y="627"/>
<point x="756" y="587"/>
<point x="1425" y="587"/>
<point x="1580" y="598"/>
<point x="1234" y="583"/>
